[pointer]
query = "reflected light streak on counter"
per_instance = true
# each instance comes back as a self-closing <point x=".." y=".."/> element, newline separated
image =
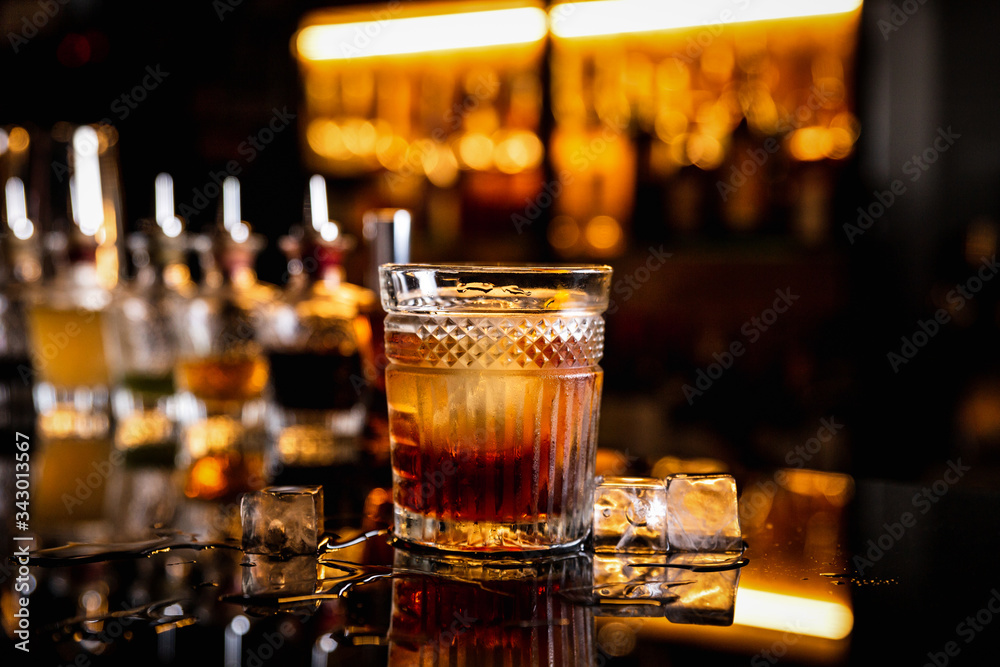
<point x="617" y="17"/>
<point x="791" y="613"/>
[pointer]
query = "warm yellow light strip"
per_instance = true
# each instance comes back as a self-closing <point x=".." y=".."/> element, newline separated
<point x="614" y="17"/>
<point x="796" y="615"/>
<point x="422" y="34"/>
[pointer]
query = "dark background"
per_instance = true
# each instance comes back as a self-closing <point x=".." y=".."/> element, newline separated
<point x="229" y="66"/>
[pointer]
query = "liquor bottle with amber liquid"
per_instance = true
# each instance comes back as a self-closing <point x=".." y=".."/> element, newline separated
<point x="221" y="371"/>
<point x="316" y="338"/>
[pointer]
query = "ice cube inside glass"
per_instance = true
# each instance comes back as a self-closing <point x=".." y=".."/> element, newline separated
<point x="282" y="521"/>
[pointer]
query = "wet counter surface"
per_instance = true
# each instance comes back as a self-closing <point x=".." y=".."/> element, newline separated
<point x="835" y="571"/>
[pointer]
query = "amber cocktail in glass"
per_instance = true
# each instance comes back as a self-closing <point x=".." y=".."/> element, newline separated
<point x="494" y="392"/>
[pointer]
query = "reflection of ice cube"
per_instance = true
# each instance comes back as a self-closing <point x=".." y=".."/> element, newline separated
<point x="282" y="521"/>
<point x="704" y="598"/>
<point x="702" y="513"/>
<point x="630" y="514"/>
<point x="674" y="585"/>
<point x="617" y="581"/>
<point x="271" y="577"/>
<point x="142" y="499"/>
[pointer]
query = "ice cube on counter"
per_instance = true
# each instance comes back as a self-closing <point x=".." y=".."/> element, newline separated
<point x="282" y="521"/>
<point x="630" y="514"/>
<point x="702" y="513"/>
<point x="677" y="513"/>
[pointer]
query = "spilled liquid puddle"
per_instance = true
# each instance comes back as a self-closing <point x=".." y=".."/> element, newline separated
<point x="161" y="615"/>
<point x="326" y="543"/>
<point x="78" y="553"/>
<point x="734" y="563"/>
<point x="305" y="582"/>
<point x="844" y="578"/>
<point x="175" y="612"/>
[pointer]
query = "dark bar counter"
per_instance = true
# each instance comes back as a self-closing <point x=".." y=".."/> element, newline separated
<point x="835" y="571"/>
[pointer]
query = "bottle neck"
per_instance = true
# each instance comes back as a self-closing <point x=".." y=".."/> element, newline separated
<point x="230" y="266"/>
<point x="79" y="266"/>
<point x="322" y="264"/>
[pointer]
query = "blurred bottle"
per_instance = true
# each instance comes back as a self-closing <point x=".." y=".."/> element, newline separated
<point x="68" y="336"/>
<point x="387" y="237"/>
<point x="70" y="347"/>
<point x="20" y="269"/>
<point x="316" y="339"/>
<point x="72" y="353"/>
<point x="221" y="370"/>
<point x="142" y="314"/>
<point x="744" y="192"/>
<point x="146" y="490"/>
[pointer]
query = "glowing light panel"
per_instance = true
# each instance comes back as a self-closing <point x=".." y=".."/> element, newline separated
<point x="17" y="209"/>
<point x="422" y="34"/>
<point x="614" y="17"/>
<point x="231" y="215"/>
<point x="85" y="186"/>
<point x="317" y="202"/>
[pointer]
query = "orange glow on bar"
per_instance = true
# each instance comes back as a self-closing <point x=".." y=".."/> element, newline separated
<point x="618" y="17"/>
<point x="794" y="614"/>
<point x="421" y="34"/>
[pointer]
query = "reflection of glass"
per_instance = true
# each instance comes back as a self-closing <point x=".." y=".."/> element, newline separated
<point x="493" y="391"/>
<point x="73" y="471"/>
<point x="458" y="611"/>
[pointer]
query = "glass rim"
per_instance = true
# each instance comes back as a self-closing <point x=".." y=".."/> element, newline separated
<point x="483" y="267"/>
<point x="492" y="288"/>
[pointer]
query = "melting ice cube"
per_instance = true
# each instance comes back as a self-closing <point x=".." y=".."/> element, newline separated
<point x="282" y="521"/>
<point x="677" y="513"/>
<point x="630" y="514"/>
<point x="702" y="513"/>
